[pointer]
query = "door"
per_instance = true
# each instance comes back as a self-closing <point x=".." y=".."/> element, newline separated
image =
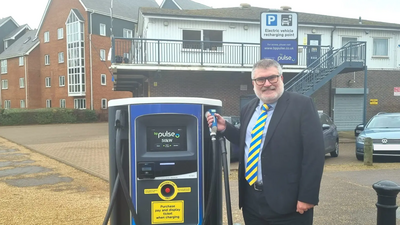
<point x="313" y="48"/>
<point x="348" y="111"/>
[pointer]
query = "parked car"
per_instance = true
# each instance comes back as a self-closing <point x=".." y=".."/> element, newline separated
<point x="331" y="137"/>
<point x="384" y="130"/>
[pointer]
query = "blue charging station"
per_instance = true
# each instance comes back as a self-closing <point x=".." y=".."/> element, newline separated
<point x="161" y="162"/>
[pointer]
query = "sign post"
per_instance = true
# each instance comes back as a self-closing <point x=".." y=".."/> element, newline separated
<point x="279" y="36"/>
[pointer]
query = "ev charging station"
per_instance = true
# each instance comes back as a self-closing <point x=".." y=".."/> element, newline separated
<point x="164" y="166"/>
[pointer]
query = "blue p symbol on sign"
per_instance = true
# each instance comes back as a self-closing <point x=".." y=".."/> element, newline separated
<point x="272" y="20"/>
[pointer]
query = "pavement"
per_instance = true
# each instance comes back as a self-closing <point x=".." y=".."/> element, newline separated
<point x="346" y="195"/>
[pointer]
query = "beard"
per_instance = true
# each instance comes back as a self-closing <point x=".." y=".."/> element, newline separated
<point x="274" y="93"/>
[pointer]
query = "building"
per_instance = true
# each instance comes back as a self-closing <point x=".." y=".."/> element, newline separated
<point x="209" y="53"/>
<point x="20" y="72"/>
<point x="182" y="5"/>
<point x="73" y="46"/>
<point x="11" y="32"/>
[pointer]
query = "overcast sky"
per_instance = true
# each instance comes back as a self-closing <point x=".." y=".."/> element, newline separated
<point x="30" y="11"/>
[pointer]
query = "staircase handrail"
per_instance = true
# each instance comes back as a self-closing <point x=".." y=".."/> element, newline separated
<point x="327" y="61"/>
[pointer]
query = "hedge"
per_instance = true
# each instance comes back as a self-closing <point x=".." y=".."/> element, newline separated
<point x="10" y="117"/>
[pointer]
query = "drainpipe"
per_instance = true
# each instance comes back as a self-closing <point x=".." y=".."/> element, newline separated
<point x="91" y="61"/>
<point x="1" y="89"/>
<point x="26" y="82"/>
<point x="334" y="28"/>
<point x="330" y="81"/>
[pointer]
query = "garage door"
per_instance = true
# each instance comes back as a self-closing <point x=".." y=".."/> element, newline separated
<point x="348" y="111"/>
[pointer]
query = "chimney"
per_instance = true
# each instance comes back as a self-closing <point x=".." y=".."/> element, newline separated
<point x="286" y="8"/>
<point x="245" y="5"/>
<point x="359" y="20"/>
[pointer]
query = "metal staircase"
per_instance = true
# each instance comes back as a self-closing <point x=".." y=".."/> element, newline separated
<point x="350" y="58"/>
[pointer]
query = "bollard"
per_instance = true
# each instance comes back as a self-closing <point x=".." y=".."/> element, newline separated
<point x="368" y="151"/>
<point x="387" y="193"/>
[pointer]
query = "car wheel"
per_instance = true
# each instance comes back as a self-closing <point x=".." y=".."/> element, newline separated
<point x="335" y="153"/>
<point x="359" y="157"/>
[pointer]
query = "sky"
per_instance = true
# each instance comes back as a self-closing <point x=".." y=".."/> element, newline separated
<point x="30" y="11"/>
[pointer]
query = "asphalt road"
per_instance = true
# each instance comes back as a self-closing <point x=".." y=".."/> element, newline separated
<point x="346" y="196"/>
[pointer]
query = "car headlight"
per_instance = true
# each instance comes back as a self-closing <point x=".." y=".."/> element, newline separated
<point x="360" y="139"/>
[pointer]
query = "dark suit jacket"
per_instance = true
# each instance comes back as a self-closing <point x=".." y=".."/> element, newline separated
<point x="293" y="152"/>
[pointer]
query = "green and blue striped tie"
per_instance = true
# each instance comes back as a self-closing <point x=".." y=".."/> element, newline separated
<point x="255" y="146"/>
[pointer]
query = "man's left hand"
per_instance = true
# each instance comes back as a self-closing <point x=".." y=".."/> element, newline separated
<point x="303" y="207"/>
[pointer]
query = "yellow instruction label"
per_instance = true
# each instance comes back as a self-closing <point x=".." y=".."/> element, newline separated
<point x="167" y="212"/>
<point x="150" y="191"/>
<point x="184" y="190"/>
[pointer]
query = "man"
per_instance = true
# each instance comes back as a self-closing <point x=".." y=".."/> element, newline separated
<point x="281" y="155"/>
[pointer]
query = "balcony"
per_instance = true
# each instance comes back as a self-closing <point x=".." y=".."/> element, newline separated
<point x="158" y="53"/>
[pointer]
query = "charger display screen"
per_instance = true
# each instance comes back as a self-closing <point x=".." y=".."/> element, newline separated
<point x="166" y="138"/>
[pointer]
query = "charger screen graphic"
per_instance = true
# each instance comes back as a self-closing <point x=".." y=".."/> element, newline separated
<point x="166" y="139"/>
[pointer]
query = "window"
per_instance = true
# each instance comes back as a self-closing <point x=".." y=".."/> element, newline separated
<point x="76" y="78"/>
<point x="21" y="61"/>
<point x="4" y="84"/>
<point x="346" y="40"/>
<point x="46" y="36"/>
<point x="3" y="66"/>
<point x="61" y="57"/>
<point x="102" y="55"/>
<point x="103" y="79"/>
<point x="61" y="81"/>
<point x="127" y="33"/>
<point x="5" y="45"/>
<point x="60" y="33"/>
<point x="62" y="103"/>
<point x="47" y="81"/>
<point x="46" y="60"/>
<point x="192" y="39"/>
<point x="7" y="104"/>
<point x="48" y="103"/>
<point x="102" y="29"/>
<point x="22" y="104"/>
<point x="381" y="47"/>
<point x="355" y="51"/>
<point x="104" y="103"/>
<point x="80" y="103"/>
<point x="21" y="82"/>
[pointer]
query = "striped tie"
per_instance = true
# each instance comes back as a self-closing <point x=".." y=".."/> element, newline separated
<point x="255" y="146"/>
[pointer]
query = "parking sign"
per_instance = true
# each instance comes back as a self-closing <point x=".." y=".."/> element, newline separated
<point x="278" y="39"/>
<point x="279" y="25"/>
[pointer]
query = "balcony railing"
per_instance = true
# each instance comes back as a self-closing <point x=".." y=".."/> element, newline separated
<point x="193" y="53"/>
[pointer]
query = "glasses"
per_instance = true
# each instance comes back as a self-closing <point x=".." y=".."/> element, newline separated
<point x="271" y="79"/>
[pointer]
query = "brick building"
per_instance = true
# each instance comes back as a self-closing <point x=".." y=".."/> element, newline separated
<point x="68" y="66"/>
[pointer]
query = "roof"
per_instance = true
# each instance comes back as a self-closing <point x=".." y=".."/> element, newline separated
<point x="189" y="4"/>
<point x="252" y="14"/>
<point x="15" y="32"/>
<point x="5" y="19"/>
<point x="127" y="9"/>
<point x="123" y="9"/>
<point x="21" y="46"/>
<point x="78" y="14"/>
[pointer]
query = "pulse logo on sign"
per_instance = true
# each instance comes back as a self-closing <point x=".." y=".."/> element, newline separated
<point x="272" y="20"/>
<point x="166" y="134"/>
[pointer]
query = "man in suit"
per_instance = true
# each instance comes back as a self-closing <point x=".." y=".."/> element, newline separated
<point x="281" y="162"/>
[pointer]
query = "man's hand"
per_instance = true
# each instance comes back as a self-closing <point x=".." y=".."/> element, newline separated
<point x="302" y="207"/>
<point x="221" y="124"/>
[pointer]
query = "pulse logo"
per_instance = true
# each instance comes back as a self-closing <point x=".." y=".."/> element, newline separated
<point x="166" y="134"/>
<point x="272" y="19"/>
